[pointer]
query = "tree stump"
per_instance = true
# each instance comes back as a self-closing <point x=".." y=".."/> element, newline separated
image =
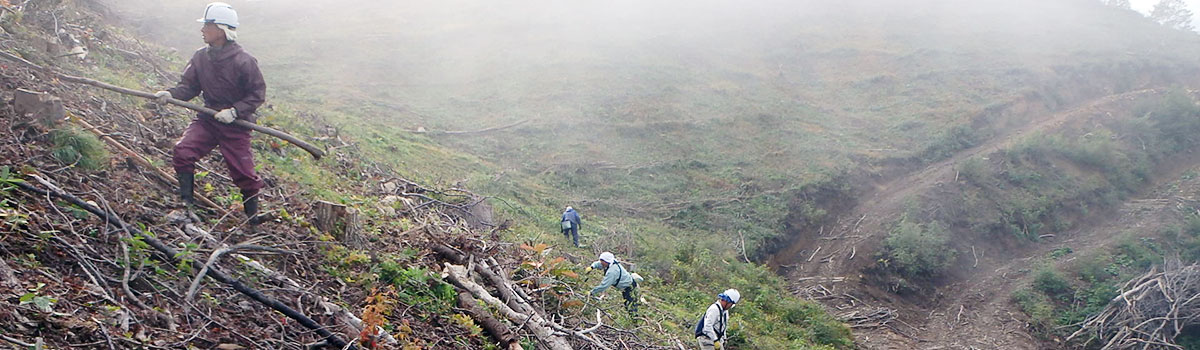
<point x="479" y="215"/>
<point x="40" y="106"/>
<point x="341" y="222"/>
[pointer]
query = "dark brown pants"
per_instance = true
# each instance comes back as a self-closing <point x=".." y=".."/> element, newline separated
<point x="204" y="135"/>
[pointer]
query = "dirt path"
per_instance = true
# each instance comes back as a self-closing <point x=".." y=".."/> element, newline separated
<point x="988" y="320"/>
<point x="973" y="312"/>
<point x="860" y="230"/>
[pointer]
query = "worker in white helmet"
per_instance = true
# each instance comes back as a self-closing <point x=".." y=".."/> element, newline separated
<point x="710" y="329"/>
<point x="616" y="275"/>
<point x="229" y="81"/>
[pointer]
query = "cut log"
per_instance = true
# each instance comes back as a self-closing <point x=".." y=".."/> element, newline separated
<point x="507" y="294"/>
<point x="341" y="222"/>
<point x="46" y="110"/>
<point x="496" y="329"/>
<point x="542" y="328"/>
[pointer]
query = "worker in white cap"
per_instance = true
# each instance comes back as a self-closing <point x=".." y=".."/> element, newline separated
<point x="710" y="330"/>
<point x="616" y="275"/>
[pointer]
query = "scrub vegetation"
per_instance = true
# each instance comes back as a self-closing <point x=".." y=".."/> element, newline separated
<point x="710" y="145"/>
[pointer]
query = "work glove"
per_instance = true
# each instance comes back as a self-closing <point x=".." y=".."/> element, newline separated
<point x="587" y="269"/>
<point x="226" y="115"/>
<point x="717" y="345"/>
<point x="162" y="96"/>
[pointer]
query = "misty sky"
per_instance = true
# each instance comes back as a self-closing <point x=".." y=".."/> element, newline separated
<point x="1144" y="6"/>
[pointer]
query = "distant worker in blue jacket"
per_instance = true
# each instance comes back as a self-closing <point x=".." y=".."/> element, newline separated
<point x="616" y="275"/>
<point x="570" y="225"/>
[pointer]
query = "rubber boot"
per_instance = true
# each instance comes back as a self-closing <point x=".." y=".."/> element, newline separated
<point x="187" y="183"/>
<point x="250" y="207"/>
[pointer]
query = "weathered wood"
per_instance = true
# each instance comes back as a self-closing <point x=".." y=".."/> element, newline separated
<point x="497" y="330"/>
<point x="8" y="280"/>
<point x="313" y="150"/>
<point x="1153" y="310"/>
<point x="468" y="132"/>
<point x="542" y="328"/>
<point x="168" y="255"/>
<point x="341" y="222"/>
<point x="507" y="294"/>
<point x="47" y="110"/>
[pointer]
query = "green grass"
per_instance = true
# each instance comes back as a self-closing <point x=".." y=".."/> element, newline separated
<point x="73" y="146"/>
<point x="677" y="138"/>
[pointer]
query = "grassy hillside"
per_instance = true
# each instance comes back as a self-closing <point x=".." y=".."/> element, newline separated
<point x="689" y="134"/>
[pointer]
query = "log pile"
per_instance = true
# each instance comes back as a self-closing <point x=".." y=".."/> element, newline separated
<point x="1150" y="311"/>
<point x="513" y="303"/>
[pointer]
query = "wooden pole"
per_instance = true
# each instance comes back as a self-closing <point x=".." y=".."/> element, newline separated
<point x="317" y="153"/>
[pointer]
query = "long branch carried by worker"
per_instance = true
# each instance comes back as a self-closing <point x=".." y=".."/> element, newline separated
<point x="228" y="78"/>
<point x="317" y="153"/>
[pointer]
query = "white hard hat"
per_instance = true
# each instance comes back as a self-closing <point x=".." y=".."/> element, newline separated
<point x="607" y="257"/>
<point x="220" y="13"/>
<point x="730" y="295"/>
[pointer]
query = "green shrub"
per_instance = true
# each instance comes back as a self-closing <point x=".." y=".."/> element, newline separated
<point x="1189" y="338"/>
<point x="950" y="142"/>
<point x="1189" y="239"/>
<point x="74" y="146"/>
<point x="1039" y="309"/>
<point x="1048" y="281"/>
<point x="975" y="171"/>
<point x="918" y="250"/>
<point x="417" y="286"/>
<point x="1177" y="118"/>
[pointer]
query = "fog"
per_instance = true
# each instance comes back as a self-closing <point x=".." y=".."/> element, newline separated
<point x="460" y="60"/>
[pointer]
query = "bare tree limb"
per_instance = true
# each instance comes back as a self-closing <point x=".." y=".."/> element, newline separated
<point x="168" y="254"/>
<point x="212" y="259"/>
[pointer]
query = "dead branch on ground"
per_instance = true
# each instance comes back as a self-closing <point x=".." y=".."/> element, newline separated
<point x="169" y="255"/>
<point x="1151" y="311"/>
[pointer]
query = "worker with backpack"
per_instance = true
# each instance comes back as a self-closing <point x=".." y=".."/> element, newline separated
<point x="616" y="275"/>
<point x="570" y="225"/>
<point x="710" y="329"/>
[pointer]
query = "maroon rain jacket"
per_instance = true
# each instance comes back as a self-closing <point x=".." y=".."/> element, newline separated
<point x="228" y="78"/>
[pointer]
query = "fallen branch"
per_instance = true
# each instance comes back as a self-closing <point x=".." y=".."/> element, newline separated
<point x="507" y="294"/>
<point x="1151" y="313"/>
<point x="313" y="150"/>
<point x="540" y="326"/>
<point x="499" y="332"/>
<point x="351" y="324"/>
<point x="168" y="255"/>
<point x="583" y="334"/>
<point x="480" y="131"/>
<point x="212" y="259"/>
<point x="18" y="342"/>
<point x="872" y="319"/>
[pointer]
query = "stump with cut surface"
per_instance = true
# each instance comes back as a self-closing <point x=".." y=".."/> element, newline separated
<point x="341" y="222"/>
<point x="40" y="106"/>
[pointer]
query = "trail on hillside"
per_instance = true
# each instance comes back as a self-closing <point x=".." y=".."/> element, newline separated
<point x="864" y="225"/>
<point x="975" y="311"/>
